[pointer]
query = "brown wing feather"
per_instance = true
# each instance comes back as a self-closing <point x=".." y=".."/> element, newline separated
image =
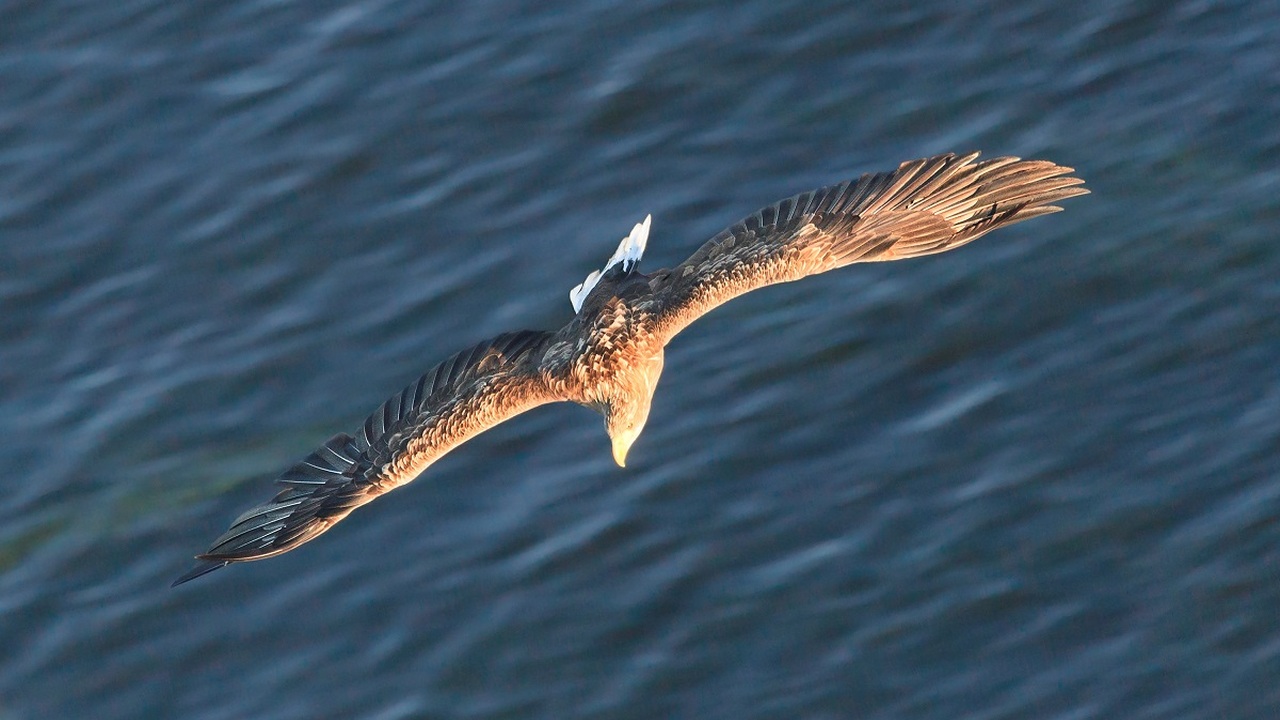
<point x="470" y="392"/>
<point x="924" y="207"/>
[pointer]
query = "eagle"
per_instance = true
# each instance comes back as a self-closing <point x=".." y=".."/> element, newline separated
<point x="610" y="354"/>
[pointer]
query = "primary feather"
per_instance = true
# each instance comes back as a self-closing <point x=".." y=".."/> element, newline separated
<point x="610" y="355"/>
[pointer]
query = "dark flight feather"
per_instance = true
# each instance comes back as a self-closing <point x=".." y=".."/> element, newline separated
<point x="347" y="472"/>
<point x="924" y="207"/>
<point x="610" y="355"/>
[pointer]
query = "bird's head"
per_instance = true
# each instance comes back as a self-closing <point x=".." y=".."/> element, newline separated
<point x="625" y="415"/>
<point x="624" y="425"/>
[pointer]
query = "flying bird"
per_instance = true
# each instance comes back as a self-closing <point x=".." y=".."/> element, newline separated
<point x="609" y="356"/>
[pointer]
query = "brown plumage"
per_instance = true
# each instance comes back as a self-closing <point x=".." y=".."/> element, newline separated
<point x="609" y="356"/>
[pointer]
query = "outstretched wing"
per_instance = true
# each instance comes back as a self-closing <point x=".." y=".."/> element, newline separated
<point x="924" y="207"/>
<point x="456" y="400"/>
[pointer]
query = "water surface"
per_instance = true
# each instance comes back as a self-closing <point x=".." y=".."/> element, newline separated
<point x="1035" y="478"/>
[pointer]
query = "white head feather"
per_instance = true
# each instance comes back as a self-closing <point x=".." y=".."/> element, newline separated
<point x="628" y="253"/>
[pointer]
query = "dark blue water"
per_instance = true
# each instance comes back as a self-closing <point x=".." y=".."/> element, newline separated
<point x="1035" y="478"/>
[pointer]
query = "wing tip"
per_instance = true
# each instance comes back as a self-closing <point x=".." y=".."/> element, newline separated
<point x="204" y="567"/>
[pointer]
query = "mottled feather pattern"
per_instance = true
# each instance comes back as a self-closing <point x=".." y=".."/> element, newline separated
<point x="348" y="471"/>
<point x="610" y="354"/>
<point x="924" y="207"/>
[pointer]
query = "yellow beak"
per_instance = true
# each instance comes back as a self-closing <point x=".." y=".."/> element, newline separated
<point x="620" y="453"/>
